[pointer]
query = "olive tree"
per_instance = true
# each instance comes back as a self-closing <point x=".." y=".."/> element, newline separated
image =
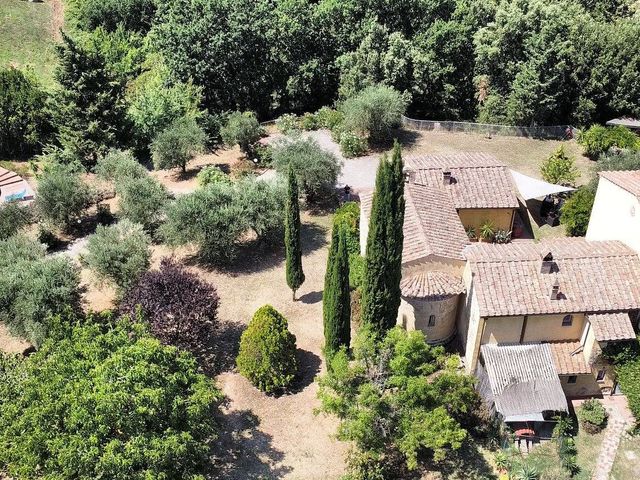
<point x="118" y="253"/>
<point x="374" y="112"/>
<point x="178" y="144"/>
<point x="242" y="129"/>
<point x="62" y="196"/>
<point x="316" y="169"/>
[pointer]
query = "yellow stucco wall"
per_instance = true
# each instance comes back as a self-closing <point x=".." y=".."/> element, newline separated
<point x="502" y="330"/>
<point x="502" y="218"/>
<point x="544" y="328"/>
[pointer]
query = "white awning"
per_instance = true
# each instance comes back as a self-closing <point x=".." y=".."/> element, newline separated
<point x="530" y="187"/>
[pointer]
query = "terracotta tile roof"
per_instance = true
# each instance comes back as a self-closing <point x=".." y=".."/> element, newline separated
<point x="611" y="326"/>
<point x="568" y="358"/>
<point x="523" y="378"/>
<point x="627" y="180"/>
<point x="478" y="180"/>
<point x="431" y="285"/>
<point x="592" y="276"/>
<point x="431" y="224"/>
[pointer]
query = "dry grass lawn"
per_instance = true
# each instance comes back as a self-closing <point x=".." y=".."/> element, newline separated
<point x="265" y="437"/>
<point x="522" y="154"/>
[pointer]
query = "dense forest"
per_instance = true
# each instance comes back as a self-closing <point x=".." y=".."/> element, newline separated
<point x="520" y="62"/>
<point x="129" y="67"/>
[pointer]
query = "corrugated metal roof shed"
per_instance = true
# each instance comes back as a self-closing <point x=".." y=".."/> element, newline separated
<point x="523" y="379"/>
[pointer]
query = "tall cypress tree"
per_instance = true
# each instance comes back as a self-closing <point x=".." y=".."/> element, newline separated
<point x="383" y="263"/>
<point x="91" y="110"/>
<point x="295" y="275"/>
<point x="336" y="299"/>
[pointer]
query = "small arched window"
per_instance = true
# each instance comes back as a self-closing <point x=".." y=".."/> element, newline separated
<point x="432" y="320"/>
<point x="567" y="321"/>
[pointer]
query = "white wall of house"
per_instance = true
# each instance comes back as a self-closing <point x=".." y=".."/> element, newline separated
<point x="364" y="232"/>
<point x="469" y="323"/>
<point x="615" y="215"/>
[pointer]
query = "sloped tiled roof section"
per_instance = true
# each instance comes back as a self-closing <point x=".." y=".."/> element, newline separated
<point x="431" y="285"/>
<point x="611" y="326"/>
<point x="478" y="180"/>
<point x="568" y="358"/>
<point x="598" y="276"/>
<point x="627" y="180"/>
<point x="431" y="224"/>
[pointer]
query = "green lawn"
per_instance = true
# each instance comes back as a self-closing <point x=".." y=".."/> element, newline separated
<point x="627" y="464"/>
<point x="546" y="461"/>
<point x="26" y="37"/>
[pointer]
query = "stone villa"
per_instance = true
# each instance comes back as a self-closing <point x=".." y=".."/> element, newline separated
<point x="529" y="318"/>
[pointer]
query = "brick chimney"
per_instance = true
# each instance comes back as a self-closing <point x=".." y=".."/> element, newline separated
<point x="555" y="290"/>
<point x="446" y="177"/>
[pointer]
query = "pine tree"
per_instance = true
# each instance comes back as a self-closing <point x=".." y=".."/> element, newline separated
<point x="383" y="263"/>
<point x="295" y="275"/>
<point x="336" y="300"/>
<point x="91" y="111"/>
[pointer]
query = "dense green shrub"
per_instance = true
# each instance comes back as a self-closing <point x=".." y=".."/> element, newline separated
<point x="178" y="144"/>
<point x="423" y="398"/>
<point x="90" y="109"/>
<point x="212" y="174"/>
<point x="142" y="200"/>
<point x="347" y="217"/>
<point x="374" y="112"/>
<point x="576" y="211"/>
<point x="352" y="145"/>
<point x="13" y="217"/>
<point x="134" y="15"/>
<point x="598" y="139"/>
<point x="592" y="416"/>
<point x="356" y="270"/>
<point x="63" y="196"/>
<point x="156" y="100"/>
<point x="24" y="119"/>
<point x="626" y="160"/>
<point x="117" y="165"/>
<point x="225" y="213"/>
<point x="242" y="129"/>
<point x="316" y="169"/>
<point x="118" y="253"/>
<point x="264" y="154"/>
<point x="288" y="123"/>
<point x="267" y="355"/>
<point x="132" y="408"/>
<point x="559" y="168"/>
<point x="181" y="308"/>
<point x="329" y="118"/>
<point x="308" y="121"/>
<point x="33" y="287"/>
<point x="629" y="378"/>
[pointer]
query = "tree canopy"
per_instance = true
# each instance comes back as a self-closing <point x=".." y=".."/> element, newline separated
<point x="132" y="407"/>
<point x="399" y="396"/>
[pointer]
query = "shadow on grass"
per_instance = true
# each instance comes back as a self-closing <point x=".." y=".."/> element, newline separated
<point x="465" y="463"/>
<point x="243" y="452"/>
<point x="311" y="298"/>
<point x="308" y="368"/>
<point x="218" y="352"/>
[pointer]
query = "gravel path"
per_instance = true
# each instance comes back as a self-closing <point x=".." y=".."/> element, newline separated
<point x="359" y="173"/>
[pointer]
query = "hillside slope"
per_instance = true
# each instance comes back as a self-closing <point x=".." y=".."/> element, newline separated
<point x="28" y="31"/>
